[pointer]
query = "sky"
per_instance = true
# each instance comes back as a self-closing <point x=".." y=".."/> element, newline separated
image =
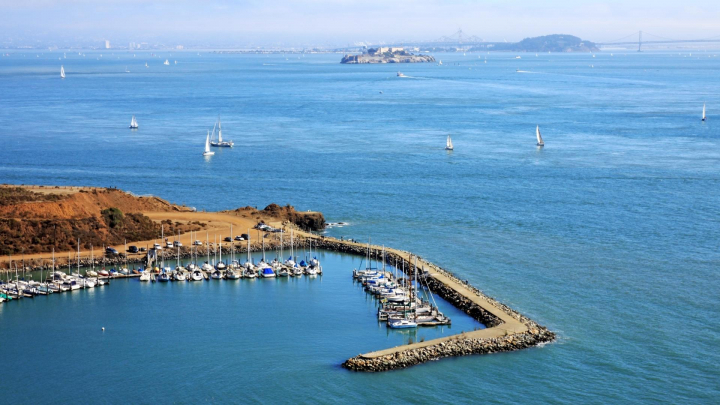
<point x="343" y="22"/>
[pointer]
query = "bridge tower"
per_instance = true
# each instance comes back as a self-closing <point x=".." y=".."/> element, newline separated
<point x="640" y="41"/>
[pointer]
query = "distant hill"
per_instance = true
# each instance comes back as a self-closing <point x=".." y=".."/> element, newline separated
<point x="547" y="43"/>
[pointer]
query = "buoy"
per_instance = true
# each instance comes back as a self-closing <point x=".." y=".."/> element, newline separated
<point x="103" y="329"/>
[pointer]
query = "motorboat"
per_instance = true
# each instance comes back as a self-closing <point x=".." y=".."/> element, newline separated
<point x="267" y="272"/>
<point x="402" y="324"/>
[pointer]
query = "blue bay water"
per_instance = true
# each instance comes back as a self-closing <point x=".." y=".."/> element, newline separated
<point x="608" y="235"/>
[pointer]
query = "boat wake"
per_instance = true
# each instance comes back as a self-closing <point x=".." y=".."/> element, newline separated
<point x="336" y="224"/>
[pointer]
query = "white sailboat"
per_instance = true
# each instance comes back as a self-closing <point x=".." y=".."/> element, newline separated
<point x="448" y="144"/>
<point x="133" y="123"/>
<point x="540" y="142"/>
<point x="219" y="143"/>
<point x="207" y="146"/>
<point x="62" y="72"/>
<point x="167" y="62"/>
<point x="703" y="117"/>
<point x="146" y="64"/>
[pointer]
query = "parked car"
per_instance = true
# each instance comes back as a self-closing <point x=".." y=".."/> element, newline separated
<point x="133" y="249"/>
<point x="168" y="244"/>
<point x="178" y="243"/>
<point x="245" y="236"/>
<point x="157" y="246"/>
<point x="197" y="243"/>
<point x="228" y="239"/>
<point x="142" y="249"/>
<point x="111" y="251"/>
<point x="239" y="238"/>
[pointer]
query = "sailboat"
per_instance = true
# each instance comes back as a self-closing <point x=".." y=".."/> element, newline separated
<point x="62" y="72"/>
<point x="703" y="117"/>
<point x="219" y="143"/>
<point x="448" y="144"/>
<point x="207" y="146"/>
<point x="133" y="123"/>
<point x="167" y="62"/>
<point x="146" y="64"/>
<point x="540" y="142"/>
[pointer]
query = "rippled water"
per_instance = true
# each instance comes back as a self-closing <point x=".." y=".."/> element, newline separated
<point x="608" y="235"/>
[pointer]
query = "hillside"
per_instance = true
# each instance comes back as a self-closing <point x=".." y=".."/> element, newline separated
<point x="36" y="219"/>
<point x="548" y="43"/>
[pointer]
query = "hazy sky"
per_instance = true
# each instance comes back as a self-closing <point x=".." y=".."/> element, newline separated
<point x="349" y="21"/>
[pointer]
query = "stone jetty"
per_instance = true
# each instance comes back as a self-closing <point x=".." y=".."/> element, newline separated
<point x="506" y="329"/>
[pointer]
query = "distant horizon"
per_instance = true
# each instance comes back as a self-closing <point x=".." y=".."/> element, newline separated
<point x="324" y="23"/>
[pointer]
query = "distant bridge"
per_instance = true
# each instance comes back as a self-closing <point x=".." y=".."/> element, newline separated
<point x="658" y="40"/>
<point x="461" y="40"/>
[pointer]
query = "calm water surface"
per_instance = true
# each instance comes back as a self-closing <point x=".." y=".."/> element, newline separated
<point x="608" y="235"/>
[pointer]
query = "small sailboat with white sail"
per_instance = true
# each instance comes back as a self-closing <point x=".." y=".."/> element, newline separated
<point x="208" y="152"/>
<point x="133" y="123"/>
<point x="166" y="63"/>
<point x="449" y="144"/>
<point x="704" y="117"/>
<point x="540" y="142"/>
<point x="62" y="72"/>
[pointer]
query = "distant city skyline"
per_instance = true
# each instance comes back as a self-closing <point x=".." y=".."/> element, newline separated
<point x="300" y="23"/>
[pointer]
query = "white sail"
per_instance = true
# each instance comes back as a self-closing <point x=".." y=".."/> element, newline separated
<point x="62" y="72"/>
<point x="703" y="118"/>
<point x="449" y="144"/>
<point x="539" y="137"/>
<point x="219" y="131"/>
<point x="207" y="143"/>
<point x="133" y="122"/>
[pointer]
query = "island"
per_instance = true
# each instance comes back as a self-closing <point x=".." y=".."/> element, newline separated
<point x="547" y="43"/>
<point x="386" y="55"/>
